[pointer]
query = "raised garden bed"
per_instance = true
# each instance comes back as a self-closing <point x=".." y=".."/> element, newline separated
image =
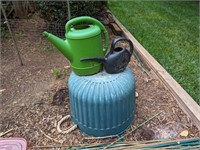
<point x="184" y="100"/>
<point x="34" y="101"/>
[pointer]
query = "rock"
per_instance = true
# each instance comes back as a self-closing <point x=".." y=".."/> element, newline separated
<point x="136" y="94"/>
<point x="184" y="133"/>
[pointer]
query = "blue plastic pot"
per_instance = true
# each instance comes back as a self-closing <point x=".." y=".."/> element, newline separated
<point x="102" y="104"/>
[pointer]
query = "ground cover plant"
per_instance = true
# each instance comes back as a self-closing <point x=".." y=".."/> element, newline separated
<point x="170" y="32"/>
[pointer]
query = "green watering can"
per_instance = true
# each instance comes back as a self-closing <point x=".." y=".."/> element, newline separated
<point x="83" y="40"/>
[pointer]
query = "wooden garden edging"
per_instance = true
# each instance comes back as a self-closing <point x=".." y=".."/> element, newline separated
<point x="184" y="100"/>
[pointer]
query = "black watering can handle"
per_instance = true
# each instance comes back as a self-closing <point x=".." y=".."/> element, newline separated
<point x="115" y="41"/>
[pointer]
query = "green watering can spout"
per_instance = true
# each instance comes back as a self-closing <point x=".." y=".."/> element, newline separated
<point x="60" y="44"/>
<point x="45" y="34"/>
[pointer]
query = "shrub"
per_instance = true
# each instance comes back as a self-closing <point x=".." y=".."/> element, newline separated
<point x="58" y="11"/>
<point x="55" y="13"/>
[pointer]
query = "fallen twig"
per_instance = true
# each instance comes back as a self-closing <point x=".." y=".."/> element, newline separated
<point x="49" y="137"/>
<point x="132" y="130"/>
<point x="57" y="146"/>
<point x="51" y="146"/>
<point x="19" y="111"/>
<point x="4" y="133"/>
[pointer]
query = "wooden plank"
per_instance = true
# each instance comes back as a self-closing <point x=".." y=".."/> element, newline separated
<point x="116" y="29"/>
<point x="184" y="100"/>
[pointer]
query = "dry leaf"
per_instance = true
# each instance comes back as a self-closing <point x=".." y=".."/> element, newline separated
<point x="184" y="133"/>
<point x="66" y="67"/>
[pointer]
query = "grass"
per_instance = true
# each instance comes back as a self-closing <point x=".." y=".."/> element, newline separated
<point x="170" y="32"/>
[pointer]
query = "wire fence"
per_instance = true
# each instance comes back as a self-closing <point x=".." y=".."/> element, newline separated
<point x="28" y="20"/>
<point x="31" y="27"/>
<point x="34" y="27"/>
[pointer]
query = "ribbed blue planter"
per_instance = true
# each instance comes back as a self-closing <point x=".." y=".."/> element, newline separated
<point x="102" y="104"/>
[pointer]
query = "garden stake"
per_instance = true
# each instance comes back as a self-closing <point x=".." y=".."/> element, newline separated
<point x="133" y="130"/>
<point x="68" y="9"/>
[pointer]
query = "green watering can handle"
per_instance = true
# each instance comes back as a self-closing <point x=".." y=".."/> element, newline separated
<point x="93" y="21"/>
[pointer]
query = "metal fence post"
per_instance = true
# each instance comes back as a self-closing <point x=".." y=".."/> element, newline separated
<point x="68" y="8"/>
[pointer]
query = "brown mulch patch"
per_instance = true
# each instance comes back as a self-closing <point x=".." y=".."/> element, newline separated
<point x="34" y="100"/>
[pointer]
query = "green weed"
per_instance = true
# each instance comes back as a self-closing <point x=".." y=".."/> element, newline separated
<point x="5" y="32"/>
<point x="20" y="34"/>
<point x="56" y="72"/>
<point x="59" y="73"/>
<point x="49" y="47"/>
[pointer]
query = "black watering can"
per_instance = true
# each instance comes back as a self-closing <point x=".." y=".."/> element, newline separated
<point x="117" y="58"/>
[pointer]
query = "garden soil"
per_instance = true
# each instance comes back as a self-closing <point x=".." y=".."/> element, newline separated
<point x="33" y="99"/>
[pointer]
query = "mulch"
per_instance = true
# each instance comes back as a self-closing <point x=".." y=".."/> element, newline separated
<point x="34" y="100"/>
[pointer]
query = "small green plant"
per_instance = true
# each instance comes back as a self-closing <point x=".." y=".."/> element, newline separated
<point x="49" y="47"/>
<point x="59" y="73"/>
<point x="19" y="34"/>
<point x="4" y="32"/>
<point x="145" y="118"/>
<point x="56" y="72"/>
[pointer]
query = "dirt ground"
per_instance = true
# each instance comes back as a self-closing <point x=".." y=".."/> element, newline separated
<point x="33" y="100"/>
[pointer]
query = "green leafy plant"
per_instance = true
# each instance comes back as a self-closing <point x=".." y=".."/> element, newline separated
<point x="49" y="47"/>
<point x="4" y="32"/>
<point x="145" y="118"/>
<point x="20" y="34"/>
<point x="56" y="72"/>
<point x="58" y="11"/>
<point x="55" y="13"/>
<point x="59" y="73"/>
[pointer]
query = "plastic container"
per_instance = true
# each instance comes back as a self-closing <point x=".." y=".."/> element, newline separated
<point x="102" y="104"/>
<point x="13" y="144"/>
